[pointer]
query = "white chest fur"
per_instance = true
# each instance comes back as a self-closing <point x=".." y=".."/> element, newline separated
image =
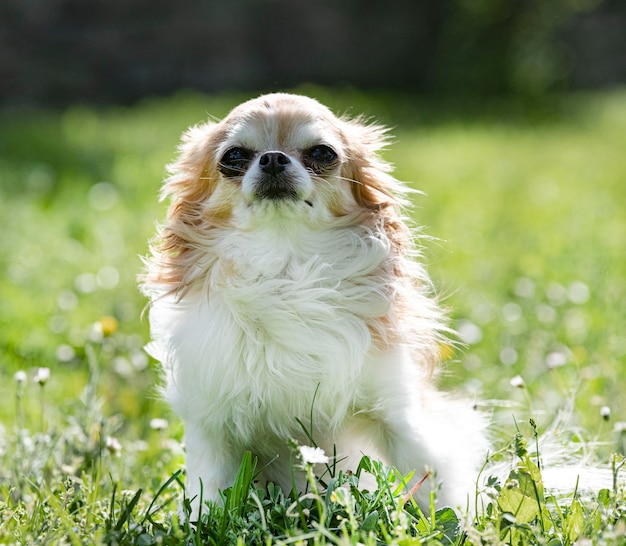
<point x="273" y="327"/>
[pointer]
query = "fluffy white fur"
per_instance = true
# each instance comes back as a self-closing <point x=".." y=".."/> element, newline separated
<point x="269" y="309"/>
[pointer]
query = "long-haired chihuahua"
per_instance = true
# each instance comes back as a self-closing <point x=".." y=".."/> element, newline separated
<point x="285" y="288"/>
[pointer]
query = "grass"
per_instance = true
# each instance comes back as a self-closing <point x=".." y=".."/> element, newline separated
<point x="526" y="210"/>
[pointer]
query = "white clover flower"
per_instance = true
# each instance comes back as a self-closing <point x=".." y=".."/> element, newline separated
<point x="620" y="427"/>
<point x="605" y="412"/>
<point x="114" y="446"/>
<point x="42" y="376"/>
<point x="20" y="377"/>
<point x="313" y="455"/>
<point x="341" y="495"/>
<point x="556" y="359"/>
<point x="517" y="382"/>
<point x="158" y="424"/>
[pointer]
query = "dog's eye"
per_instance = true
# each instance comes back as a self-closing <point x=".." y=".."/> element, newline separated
<point x="319" y="158"/>
<point x="235" y="162"/>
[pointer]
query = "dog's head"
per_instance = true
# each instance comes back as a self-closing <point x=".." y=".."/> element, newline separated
<point x="280" y="153"/>
<point x="282" y="161"/>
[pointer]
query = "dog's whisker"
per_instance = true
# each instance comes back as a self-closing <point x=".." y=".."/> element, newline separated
<point x="351" y="180"/>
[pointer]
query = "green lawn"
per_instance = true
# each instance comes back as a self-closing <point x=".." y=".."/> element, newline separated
<point x="524" y="211"/>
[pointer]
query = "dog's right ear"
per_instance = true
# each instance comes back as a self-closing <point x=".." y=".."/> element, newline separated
<point x="194" y="172"/>
<point x="193" y="177"/>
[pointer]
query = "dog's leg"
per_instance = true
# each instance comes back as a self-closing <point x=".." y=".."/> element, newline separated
<point x="445" y="441"/>
<point x="419" y="429"/>
<point x="211" y="466"/>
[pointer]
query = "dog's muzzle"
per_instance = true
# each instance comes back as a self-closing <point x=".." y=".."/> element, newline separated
<point x="276" y="182"/>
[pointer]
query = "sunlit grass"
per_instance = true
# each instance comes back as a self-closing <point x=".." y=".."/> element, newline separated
<point x="525" y="213"/>
<point x="532" y="224"/>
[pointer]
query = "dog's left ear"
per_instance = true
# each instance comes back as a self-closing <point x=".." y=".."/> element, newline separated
<point x="192" y="179"/>
<point x="193" y="173"/>
<point x="374" y="187"/>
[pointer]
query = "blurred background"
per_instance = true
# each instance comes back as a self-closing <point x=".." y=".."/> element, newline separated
<point x="59" y="52"/>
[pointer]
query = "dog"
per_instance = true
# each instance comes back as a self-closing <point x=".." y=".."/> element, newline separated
<point x="285" y="290"/>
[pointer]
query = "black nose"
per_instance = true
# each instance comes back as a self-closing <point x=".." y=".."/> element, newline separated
<point x="273" y="162"/>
